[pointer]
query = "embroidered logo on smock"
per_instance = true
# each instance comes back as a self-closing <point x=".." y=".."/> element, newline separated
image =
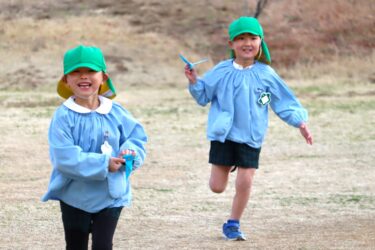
<point x="264" y="98"/>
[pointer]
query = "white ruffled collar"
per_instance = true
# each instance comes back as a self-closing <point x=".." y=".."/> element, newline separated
<point x="105" y="106"/>
<point x="240" y="67"/>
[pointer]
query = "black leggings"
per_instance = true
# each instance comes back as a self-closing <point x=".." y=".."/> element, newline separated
<point x="78" y="224"/>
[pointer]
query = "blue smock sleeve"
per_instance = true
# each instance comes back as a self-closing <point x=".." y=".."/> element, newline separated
<point x="205" y="89"/>
<point x="69" y="159"/>
<point x="134" y="138"/>
<point x="201" y="92"/>
<point x="284" y="103"/>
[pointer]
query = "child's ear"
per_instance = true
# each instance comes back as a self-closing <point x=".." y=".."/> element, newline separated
<point x="64" y="79"/>
<point x="230" y="43"/>
<point x="105" y="77"/>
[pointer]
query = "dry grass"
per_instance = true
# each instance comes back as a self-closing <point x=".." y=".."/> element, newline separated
<point x="39" y="65"/>
<point x="319" y="197"/>
<point x="296" y="30"/>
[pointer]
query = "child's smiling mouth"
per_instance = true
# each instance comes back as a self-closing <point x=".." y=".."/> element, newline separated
<point x="247" y="49"/>
<point x="84" y="85"/>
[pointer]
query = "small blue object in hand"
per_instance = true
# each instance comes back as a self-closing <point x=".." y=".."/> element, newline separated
<point x="190" y="64"/>
<point x="128" y="164"/>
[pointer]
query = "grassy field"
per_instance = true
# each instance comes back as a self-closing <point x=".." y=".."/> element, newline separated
<point x="304" y="197"/>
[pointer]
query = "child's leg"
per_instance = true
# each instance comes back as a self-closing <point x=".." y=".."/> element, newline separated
<point x="219" y="178"/>
<point x="244" y="182"/>
<point x="77" y="225"/>
<point x="104" y="225"/>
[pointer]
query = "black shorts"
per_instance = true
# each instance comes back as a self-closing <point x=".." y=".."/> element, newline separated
<point x="232" y="153"/>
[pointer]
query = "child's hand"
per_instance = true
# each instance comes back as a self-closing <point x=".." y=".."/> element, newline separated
<point x="115" y="164"/>
<point x="128" y="155"/>
<point x="305" y="132"/>
<point x="127" y="152"/>
<point x="191" y="74"/>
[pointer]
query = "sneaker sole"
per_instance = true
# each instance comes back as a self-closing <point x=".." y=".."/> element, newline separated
<point x="235" y="239"/>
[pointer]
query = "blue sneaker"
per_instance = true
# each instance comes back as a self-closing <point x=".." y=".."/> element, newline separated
<point x="231" y="230"/>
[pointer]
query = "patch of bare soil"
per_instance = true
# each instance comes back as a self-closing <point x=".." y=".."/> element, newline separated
<point x="304" y="197"/>
<point x="319" y="197"/>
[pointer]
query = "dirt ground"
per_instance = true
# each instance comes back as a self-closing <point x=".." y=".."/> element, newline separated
<point x="304" y="197"/>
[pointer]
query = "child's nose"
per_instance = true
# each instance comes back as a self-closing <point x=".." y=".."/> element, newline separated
<point x="248" y="41"/>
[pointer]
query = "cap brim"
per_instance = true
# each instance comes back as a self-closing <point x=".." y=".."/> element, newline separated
<point x="244" y="32"/>
<point x="83" y="65"/>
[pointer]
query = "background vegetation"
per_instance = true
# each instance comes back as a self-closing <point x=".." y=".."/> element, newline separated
<point x="319" y="197"/>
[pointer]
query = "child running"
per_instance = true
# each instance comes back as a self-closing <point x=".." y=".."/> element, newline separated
<point x="88" y="137"/>
<point x="240" y="91"/>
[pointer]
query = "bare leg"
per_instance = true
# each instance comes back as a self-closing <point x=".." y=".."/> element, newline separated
<point x="243" y="188"/>
<point x="219" y="178"/>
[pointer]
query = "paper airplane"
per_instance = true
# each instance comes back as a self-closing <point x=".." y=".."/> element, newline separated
<point x="191" y="64"/>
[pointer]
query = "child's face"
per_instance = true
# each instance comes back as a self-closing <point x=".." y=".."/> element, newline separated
<point x="246" y="47"/>
<point x="85" y="82"/>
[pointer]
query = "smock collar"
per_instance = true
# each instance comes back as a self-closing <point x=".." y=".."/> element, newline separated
<point x="240" y="67"/>
<point x="105" y="106"/>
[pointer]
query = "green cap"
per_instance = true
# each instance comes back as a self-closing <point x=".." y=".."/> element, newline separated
<point x="87" y="57"/>
<point x="250" y="25"/>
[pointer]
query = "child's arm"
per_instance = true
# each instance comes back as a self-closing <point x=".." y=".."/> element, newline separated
<point x="197" y="91"/>
<point x="203" y="89"/>
<point x="70" y="159"/>
<point x="283" y="101"/>
<point x="191" y="74"/>
<point x="115" y="163"/>
<point x="133" y="139"/>
<point x="129" y="156"/>
<point x="286" y="105"/>
<point x="305" y="132"/>
<point x="135" y="143"/>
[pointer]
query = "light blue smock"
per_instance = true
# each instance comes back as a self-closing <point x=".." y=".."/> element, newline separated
<point x="235" y="113"/>
<point x="80" y="175"/>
